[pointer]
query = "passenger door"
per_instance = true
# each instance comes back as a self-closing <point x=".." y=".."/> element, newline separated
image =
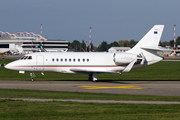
<point x="40" y="63"/>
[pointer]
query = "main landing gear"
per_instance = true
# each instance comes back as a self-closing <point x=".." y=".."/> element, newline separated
<point x="93" y="77"/>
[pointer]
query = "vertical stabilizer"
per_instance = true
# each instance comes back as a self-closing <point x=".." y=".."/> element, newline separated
<point x="152" y="38"/>
<point x="148" y="43"/>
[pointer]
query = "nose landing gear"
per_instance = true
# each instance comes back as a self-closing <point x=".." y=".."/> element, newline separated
<point x="32" y="75"/>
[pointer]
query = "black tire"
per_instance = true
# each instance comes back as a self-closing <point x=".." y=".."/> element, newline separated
<point x="90" y="77"/>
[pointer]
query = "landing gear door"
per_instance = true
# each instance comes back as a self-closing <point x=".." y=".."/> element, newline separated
<point x="40" y="63"/>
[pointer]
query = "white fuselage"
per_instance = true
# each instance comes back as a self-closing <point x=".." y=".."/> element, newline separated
<point x="64" y="62"/>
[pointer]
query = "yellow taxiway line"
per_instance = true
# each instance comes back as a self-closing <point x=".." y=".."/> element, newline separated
<point x="106" y="87"/>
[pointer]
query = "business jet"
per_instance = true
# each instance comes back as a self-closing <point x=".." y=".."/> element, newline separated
<point x="142" y="54"/>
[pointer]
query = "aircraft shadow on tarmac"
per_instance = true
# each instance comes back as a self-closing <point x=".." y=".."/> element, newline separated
<point x="98" y="81"/>
<point x="110" y="81"/>
<point x="119" y="81"/>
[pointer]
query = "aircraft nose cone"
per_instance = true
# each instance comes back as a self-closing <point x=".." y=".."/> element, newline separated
<point x="11" y="66"/>
<point x="7" y="66"/>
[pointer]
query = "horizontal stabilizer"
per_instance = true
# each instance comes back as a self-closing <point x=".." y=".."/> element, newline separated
<point x="156" y="48"/>
<point x="90" y="71"/>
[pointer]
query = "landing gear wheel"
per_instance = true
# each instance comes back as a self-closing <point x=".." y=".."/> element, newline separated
<point x="90" y="77"/>
<point x="32" y="79"/>
<point x="94" y="80"/>
<point x="93" y="77"/>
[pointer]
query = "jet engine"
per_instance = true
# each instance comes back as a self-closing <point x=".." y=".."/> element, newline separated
<point x="124" y="58"/>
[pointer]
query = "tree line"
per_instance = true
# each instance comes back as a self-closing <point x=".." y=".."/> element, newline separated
<point x="104" y="46"/>
<point x="170" y="43"/>
<point x="79" y="46"/>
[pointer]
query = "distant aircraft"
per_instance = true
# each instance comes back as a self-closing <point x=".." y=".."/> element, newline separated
<point x="44" y="50"/>
<point x="9" y="50"/>
<point x="142" y="54"/>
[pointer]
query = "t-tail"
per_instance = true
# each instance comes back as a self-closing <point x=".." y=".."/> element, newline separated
<point x="147" y="47"/>
<point x="42" y="48"/>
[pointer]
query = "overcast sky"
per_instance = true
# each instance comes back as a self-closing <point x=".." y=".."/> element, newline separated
<point x="111" y="20"/>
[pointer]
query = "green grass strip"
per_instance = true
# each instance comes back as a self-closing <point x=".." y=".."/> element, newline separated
<point x="25" y="110"/>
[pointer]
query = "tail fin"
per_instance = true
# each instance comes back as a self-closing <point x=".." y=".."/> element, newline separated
<point x="152" y="39"/>
<point x="42" y="48"/>
<point x="148" y="45"/>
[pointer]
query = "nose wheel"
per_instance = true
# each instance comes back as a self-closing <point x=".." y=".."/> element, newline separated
<point x="32" y="75"/>
<point x="32" y="79"/>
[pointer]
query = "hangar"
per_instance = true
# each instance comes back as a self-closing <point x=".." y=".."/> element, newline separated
<point x="28" y="42"/>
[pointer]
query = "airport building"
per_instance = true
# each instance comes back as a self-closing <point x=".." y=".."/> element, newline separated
<point x="118" y="49"/>
<point x="27" y="42"/>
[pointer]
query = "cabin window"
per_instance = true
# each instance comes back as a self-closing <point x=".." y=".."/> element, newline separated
<point x="78" y="60"/>
<point x="74" y="60"/>
<point x="57" y="59"/>
<point x="61" y="59"/>
<point x="65" y="60"/>
<point x="53" y="59"/>
<point x="83" y="60"/>
<point x="69" y="60"/>
<point x="87" y="60"/>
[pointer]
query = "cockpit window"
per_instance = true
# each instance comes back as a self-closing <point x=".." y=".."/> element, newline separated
<point x="26" y="57"/>
<point x="22" y="58"/>
<point x="30" y="57"/>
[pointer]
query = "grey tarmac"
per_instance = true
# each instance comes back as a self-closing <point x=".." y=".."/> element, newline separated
<point x="159" y="88"/>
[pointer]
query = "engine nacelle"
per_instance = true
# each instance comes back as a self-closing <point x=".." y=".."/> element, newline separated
<point x="124" y="58"/>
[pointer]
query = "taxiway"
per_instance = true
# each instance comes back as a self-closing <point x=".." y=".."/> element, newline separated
<point x="160" y="88"/>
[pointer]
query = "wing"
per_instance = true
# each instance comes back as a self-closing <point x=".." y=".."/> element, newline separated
<point x="90" y="71"/>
